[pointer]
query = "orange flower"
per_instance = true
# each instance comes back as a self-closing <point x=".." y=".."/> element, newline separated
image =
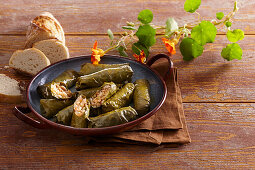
<point x="170" y="45"/>
<point x="97" y="53"/>
<point x="141" y="58"/>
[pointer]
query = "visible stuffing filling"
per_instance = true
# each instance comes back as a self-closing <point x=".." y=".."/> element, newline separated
<point x="100" y="96"/>
<point x="60" y="92"/>
<point x="81" y="106"/>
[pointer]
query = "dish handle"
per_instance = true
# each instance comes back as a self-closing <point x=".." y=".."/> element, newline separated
<point x="157" y="57"/>
<point x="20" y="112"/>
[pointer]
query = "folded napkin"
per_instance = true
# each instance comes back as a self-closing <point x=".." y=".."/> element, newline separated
<point x="166" y="126"/>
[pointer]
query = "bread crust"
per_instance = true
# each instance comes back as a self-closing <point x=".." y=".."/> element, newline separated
<point x="45" y="26"/>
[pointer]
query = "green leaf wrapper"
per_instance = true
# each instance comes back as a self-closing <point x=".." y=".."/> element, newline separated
<point x="122" y="98"/>
<point x="117" y="75"/>
<point x="81" y="121"/>
<point x="116" y="117"/>
<point x="67" y="78"/>
<point x="64" y="116"/>
<point x="88" y="92"/>
<point x="141" y="96"/>
<point x="89" y="68"/>
<point x="111" y="91"/>
<point x="50" y="107"/>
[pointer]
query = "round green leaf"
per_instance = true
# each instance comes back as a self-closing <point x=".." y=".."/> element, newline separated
<point x="228" y="24"/>
<point x="146" y="35"/>
<point x="232" y="51"/>
<point x="219" y="15"/>
<point x="145" y="16"/>
<point x="190" y="49"/>
<point x="138" y="47"/>
<point x="191" y="5"/>
<point x="204" y="33"/>
<point x="235" y="35"/>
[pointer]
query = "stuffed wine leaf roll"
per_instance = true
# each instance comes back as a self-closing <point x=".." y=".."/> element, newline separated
<point x="120" y="99"/>
<point x="117" y="75"/>
<point x="67" y="79"/>
<point x="89" y="68"/>
<point x="142" y="96"/>
<point x="115" y="117"/>
<point x="80" y="112"/>
<point x="50" y="107"/>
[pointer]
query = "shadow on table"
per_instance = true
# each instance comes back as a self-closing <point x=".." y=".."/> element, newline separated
<point x="24" y="135"/>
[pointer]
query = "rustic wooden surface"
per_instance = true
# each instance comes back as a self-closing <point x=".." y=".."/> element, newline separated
<point x="218" y="96"/>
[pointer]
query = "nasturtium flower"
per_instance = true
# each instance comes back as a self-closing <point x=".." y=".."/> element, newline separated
<point x="141" y="57"/>
<point x="170" y="45"/>
<point x="97" y="53"/>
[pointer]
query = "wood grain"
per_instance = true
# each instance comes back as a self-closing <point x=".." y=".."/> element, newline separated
<point x="95" y="17"/>
<point x="209" y="78"/>
<point x="218" y="96"/>
<point x="222" y="137"/>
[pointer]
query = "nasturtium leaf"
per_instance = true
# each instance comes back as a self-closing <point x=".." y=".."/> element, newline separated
<point x="146" y="35"/>
<point x="235" y="35"/>
<point x="171" y="26"/>
<point x="204" y="33"/>
<point x="192" y="5"/>
<point x="122" y="51"/>
<point x="228" y="24"/>
<point x="110" y="34"/>
<point x="219" y="15"/>
<point x="128" y="27"/>
<point x="145" y="16"/>
<point x="138" y="47"/>
<point x="232" y="51"/>
<point x="190" y="49"/>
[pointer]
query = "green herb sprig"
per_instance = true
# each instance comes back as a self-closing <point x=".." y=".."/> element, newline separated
<point x="142" y="34"/>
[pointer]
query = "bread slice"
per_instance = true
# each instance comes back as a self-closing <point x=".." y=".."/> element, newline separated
<point x="9" y="90"/>
<point x="53" y="50"/>
<point x="43" y="27"/>
<point x="29" y="61"/>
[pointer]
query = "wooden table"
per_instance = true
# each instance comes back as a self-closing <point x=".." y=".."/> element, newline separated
<point x="218" y="96"/>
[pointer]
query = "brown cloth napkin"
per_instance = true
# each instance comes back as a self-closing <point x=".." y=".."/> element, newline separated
<point x="166" y="126"/>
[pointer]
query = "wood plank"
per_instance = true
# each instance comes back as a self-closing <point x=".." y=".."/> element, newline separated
<point x="209" y="78"/>
<point x="222" y="137"/>
<point x="95" y="17"/>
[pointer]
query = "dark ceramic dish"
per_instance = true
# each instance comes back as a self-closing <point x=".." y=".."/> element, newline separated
<point x="158" y="93"/>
